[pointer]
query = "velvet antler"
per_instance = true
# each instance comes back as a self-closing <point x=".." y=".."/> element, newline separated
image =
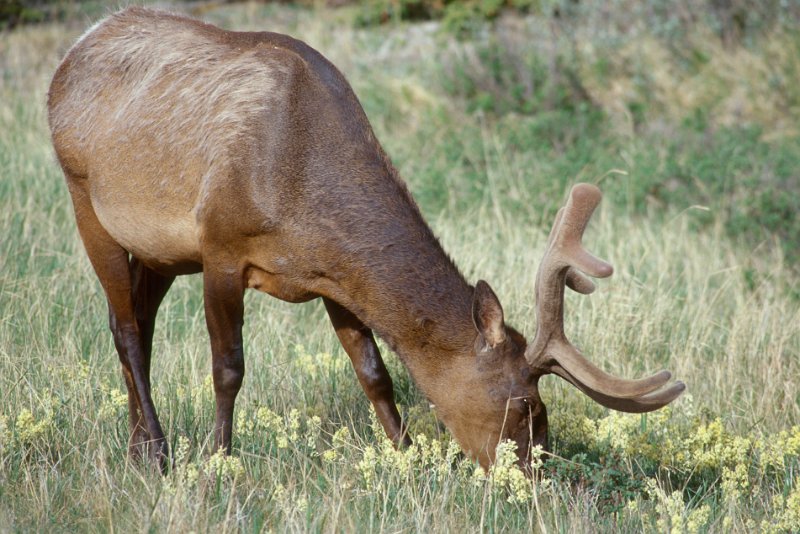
<point x="565" y="263"/>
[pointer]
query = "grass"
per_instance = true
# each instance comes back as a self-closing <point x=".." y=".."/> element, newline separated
<point x="699" y="220"/>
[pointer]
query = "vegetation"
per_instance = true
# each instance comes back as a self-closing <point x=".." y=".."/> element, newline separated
<point x="690" y="132"/>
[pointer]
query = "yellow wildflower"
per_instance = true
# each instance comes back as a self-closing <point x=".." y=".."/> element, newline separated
<point x="77" y="372"/>
<point x="727" y="524"/>
<point x="366" y="466"/>
<point x="734" y="481"/>
<point x="282" y="441"/>
<point x="222" y="466"/>
<point x="506" y="475"/>
<point x="317" y="365"/>
<point x="28" y="429"/>
<point x="268" y="421"/>
<point x="671" y="508"/>
<point x="186" y="473"/>
<point x="792" y="446"/>
<point x="617" y="428"/>
<point x="478" y="476"/>
<point x="181" y="449"/>
<point x="712" y="447"/>
<point x="245" y="424"/>
<point x="673" y="516"/>
<point x="786" y="513"/>
<point x="313" y="430"/>
<point x="190" y="475"/>
<point x="338" y="441"/>
<point x="698" y="518"/>
<point x="341" y="436"/>
<point x="113" y="403"/>
<point x="5" y="435"/>
<point x="205" y="391"/>
<point x="302" y="504"/>
<point x="775" y="449"/>
<point x="394" y="460"/>
<point x="293" y="425"/>
<point x="576" y="429"/>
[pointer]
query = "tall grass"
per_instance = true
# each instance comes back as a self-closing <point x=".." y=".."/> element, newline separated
<point x="720" y="310"/>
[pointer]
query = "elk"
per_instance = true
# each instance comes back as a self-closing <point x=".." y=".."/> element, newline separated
<point x="246" y="156"/>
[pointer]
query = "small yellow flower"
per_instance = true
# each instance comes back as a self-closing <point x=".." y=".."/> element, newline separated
<point x="318" y="365"/>
<point x="204" y="391"/>
<point x="302" y="504"/>
<point x="366" y="466"/>
<point x="28" y="429"/>
<point x="245" y="425"/>
<point x="278" y="492"/>
<point x="340" y="437"/>
<point x="617" y="429"/>
<point x="293" y="425"/>
<point x="5" y="434"/>
<point x="313" y="430"/>
<point x="268" y="421"/>
<point x="698" y="518"/>
<point x="506" y="476"/>
<point x="113" y="403"/>
<point x="786" y="513"/>
<point x="191" y="474"/>
<point x="221" y="465"/>
<point x="734" y="482"/>
<point x="478" y="476"/>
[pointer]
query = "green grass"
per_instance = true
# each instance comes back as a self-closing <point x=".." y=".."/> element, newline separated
<point x="699" y="219"/>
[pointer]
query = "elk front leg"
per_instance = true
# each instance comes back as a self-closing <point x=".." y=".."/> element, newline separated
<point x="359" y="344"/>
<point x="224" y="306"/>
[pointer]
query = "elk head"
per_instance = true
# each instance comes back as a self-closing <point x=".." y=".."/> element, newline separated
<point x="512" y="408"/>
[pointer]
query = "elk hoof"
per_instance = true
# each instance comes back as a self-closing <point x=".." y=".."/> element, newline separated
<point x="156" y="452"/>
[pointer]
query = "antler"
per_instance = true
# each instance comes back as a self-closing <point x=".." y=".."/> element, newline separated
<point x="564" y="263"/>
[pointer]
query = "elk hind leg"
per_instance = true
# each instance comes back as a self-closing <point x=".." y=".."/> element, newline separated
<point x="111" y="264"/>
<point x="149" y="289"/>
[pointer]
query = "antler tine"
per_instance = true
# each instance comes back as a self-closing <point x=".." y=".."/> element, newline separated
<point x="582" y="372"/>
<point x="583" y="200"/>
<point x="564" y="262"/>
<point x="575" y="279"/>
<point x="640" y="404"/>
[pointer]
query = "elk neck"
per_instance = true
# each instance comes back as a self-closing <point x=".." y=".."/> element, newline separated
<point x="389" y="268"/>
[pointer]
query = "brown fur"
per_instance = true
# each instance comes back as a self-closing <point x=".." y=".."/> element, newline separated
<point x="247" y="156"/>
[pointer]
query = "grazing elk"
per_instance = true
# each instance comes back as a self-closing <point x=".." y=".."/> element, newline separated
<point x="247" y="157"/>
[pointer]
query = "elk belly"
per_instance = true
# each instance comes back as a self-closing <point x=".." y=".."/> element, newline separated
<point x="277" y="285"/>
<point x="163" y="241"/>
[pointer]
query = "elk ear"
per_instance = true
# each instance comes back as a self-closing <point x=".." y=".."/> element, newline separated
<point x="487" y="314"/>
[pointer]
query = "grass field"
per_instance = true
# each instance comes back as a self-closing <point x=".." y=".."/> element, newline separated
<point x="696" y="146"/>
